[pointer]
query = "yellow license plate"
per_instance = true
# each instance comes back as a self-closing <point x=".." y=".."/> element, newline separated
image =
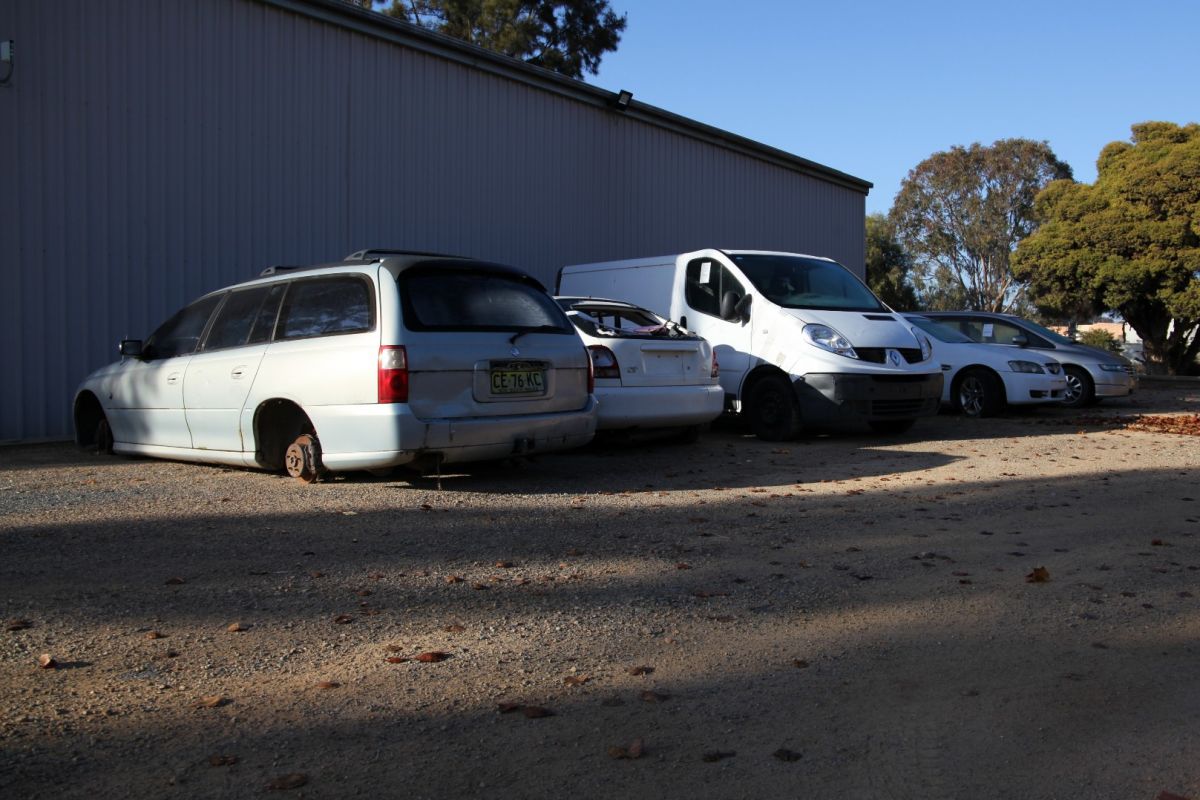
<point x="518" y="381"/>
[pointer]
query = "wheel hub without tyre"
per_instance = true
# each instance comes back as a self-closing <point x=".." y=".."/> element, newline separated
<point x="303" y="459"/>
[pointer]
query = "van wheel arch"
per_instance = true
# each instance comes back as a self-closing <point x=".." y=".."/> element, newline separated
<point x="277" y="425"/>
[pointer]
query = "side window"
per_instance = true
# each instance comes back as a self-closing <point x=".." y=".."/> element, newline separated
<point x="326" y="306"/>
<point x="180" y="335"/>
<point x="247" y="317"/>
<point x="706" y="282"/>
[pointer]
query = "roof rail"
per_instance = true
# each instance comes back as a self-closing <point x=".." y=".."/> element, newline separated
<point x="377" y="252"/>
<point x="275" y="269"/>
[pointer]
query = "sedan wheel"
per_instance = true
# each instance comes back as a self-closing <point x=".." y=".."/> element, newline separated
<point x="1080" y="389"/>
<point x="979" y="394"/>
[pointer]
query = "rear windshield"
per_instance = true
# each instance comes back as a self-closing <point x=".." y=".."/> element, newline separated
<point x="599" y="319"/>
<point x="461" y="300"/>
<point x="799" y="282"/>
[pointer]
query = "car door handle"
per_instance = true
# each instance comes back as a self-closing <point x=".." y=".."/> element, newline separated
<point x="238" y="373"/>
<point x="173" y="378"/>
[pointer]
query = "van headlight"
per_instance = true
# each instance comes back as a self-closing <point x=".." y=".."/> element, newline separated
<point x="827" y="338"/>
<point x="1025" y="366"/>
<point x="923" y="340"/>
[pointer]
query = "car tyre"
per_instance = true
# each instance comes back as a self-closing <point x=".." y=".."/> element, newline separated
<point x="303" y="459"/>
<point x="103" y="438"/>
<point x="773" y="409"/>
<point x="978" y="393"/>
<point x="1081" y="390"/>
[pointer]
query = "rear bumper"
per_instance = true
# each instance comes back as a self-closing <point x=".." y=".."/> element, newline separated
<point x="833" y="397"/>
<point x="378" y="436"/>
<point x="658" y="406"/>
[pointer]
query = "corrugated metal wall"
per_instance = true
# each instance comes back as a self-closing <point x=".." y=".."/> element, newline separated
<point x="151" y="151"/>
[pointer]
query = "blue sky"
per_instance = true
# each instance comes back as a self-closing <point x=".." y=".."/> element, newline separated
<point x="873" y="88"/>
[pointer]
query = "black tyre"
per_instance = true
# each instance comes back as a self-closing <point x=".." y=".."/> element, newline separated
<point x="773" y="410"/>
<point x="891" y="426"/>
<point x="103" y="438"/>
<point x="978" y="393"/>
<point x="1081" y="391"/>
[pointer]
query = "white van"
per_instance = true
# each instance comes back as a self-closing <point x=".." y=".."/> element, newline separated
<point x="384" y="359"/>
<point x="800" y="339"/>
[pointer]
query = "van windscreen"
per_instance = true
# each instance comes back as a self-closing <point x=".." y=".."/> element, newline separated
<point x="798" y="282"/>
<point x="463" y="300"/>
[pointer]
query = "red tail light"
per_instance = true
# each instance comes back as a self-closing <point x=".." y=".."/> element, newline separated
<point x="393" y="374"/>
<point x="604" y="362"/>
<point x="716" y="368"/>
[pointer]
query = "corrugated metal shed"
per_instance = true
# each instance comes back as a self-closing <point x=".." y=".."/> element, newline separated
<point x="150" y="152"/>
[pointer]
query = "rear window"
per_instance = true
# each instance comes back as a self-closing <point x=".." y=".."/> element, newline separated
<point x="326" y="306"/>
<point x="460" y="300"/>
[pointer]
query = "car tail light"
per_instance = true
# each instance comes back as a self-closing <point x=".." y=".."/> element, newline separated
<point x="716" y="368"/>
<point x="604" y="363"/>
<point x="393" y="374"/>
<point x="591" y="380"/>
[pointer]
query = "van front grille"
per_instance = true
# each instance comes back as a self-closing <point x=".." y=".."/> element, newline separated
<point x="878" y="355"/>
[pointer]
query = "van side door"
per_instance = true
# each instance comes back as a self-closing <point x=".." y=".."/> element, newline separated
<point x="219" y="376"/>
<point x="706" y="282"/>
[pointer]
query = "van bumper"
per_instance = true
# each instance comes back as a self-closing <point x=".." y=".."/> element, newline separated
<point x="402" y="438"/>
<point x="834" y="397"/>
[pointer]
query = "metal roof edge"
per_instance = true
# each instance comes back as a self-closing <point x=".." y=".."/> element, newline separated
<point x="371" y="23"/>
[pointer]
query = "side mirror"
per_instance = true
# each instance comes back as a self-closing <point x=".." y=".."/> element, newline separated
<point x="131" y="348"/>
<point x="734" y="307"/>
<point x="1020" y="340"/>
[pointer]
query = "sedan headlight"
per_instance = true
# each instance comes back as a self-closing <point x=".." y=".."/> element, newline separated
<point x="1113" y="367"/>
<point x="923" y="340"/>
<point x="1053" y="367"/>
<point x="1025" y="366"/>
<point x="827" y="338"/>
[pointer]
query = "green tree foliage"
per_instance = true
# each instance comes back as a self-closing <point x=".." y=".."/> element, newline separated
<point x="1129" y="243"/>
<point x="1100" y="338"/>
<point x="888" y="265"/>
<point x="960" y="214"/>
<point x="567" y="36"/>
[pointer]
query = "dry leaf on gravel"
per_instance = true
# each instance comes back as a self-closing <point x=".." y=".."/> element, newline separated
<point x="292" y="780"/>
<point x="633" y="750"/>
<point x="221" y="760"/>
<point x="654" y="697"/>
<point x="717" y="755"/>
<point x="18" y="624"/>
<point x="783" y="754"/>
<point x="576" y="680"/>
<point x="536" y="712"/>
<point x="328" y="685"/>
<point x="153" y="635"/>
<point x="235" y="627"/>
<point x="46" y="661"/>
<point x="505" y="565"/>
<point x="432" y="657"/>
<point x="397" y="660"/>
<point x="799" y="663"/>
<point x="212" y="701"/>
<point x="343" y="619"/>
<point x="1039" y="575"/>
<point x="1165" y="795"/>
<point x="640" y="670"/>
<point x="454" y="628"/>
<point x="508" y="708"/>
<point x="683" y="565"/>
<point x="454" y="579"/>
<point x="174" y="581"/>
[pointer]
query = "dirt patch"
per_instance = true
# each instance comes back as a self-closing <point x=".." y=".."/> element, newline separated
<point x="979" y="608"/>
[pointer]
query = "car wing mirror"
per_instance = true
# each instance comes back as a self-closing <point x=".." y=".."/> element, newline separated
<point x="734" y="307"/>
<point x="1021" y="340"/>
<point x="131" y="348"/>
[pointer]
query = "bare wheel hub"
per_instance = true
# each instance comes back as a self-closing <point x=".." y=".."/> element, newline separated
<point x="303" y="458"/>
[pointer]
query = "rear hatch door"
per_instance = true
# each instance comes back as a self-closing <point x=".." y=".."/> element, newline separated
<point x="483" y="341"/>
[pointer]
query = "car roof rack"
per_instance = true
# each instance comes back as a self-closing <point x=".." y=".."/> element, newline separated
<point x="275" y="269"/>
<point x="382" y="252"/>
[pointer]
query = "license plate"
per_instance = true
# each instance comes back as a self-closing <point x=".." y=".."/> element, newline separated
<point x="512" y="380"/>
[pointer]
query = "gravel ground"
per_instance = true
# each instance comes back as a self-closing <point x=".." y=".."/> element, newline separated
<point x="842" y="616"/>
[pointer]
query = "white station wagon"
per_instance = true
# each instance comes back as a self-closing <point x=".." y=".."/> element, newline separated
<point x="384" y="359"/>
<point x="651" y="374"/>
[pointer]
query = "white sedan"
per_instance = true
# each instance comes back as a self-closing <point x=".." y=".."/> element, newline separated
<point x="981" y="379"/>
<point x="650" y="372"/>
